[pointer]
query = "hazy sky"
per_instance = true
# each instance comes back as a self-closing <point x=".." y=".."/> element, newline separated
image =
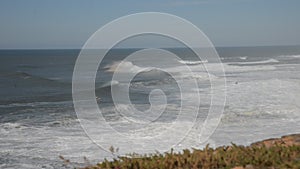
<point x="69" y="23"/>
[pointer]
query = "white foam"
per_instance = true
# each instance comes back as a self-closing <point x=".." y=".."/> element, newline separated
<point x="243" y="57"/>
<point x="190" y="62"/>
<point x="197" y="69"/>
<point x="47" y="143"/>
<point x="110" y="83"/>
<point x="290" y="56"/>
<point x="264" y="97"/>
<point x="259" y="62"/>
<point x="198" y="76"/>
<point x="216" y="69"/>
<point x="126" y="67"/>
<point x="8" y="126"/>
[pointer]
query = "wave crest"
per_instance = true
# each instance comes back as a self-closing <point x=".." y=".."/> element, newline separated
<point x="190" y="62"/>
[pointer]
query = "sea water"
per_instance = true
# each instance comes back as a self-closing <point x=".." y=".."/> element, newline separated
<point x="38" y="122"/>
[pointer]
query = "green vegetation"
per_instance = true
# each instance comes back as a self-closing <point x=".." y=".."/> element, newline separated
<point x="277" y="156"/>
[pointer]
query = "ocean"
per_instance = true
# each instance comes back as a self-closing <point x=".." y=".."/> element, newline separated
<point x="38" y="122"/>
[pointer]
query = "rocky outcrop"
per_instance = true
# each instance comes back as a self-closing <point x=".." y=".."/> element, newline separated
<point x="288" y="140"/>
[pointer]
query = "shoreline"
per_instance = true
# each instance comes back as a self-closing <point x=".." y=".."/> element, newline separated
<point x="283" y="152"/>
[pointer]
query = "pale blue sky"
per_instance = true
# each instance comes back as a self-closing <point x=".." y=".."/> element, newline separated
<point x="69" y="23"/>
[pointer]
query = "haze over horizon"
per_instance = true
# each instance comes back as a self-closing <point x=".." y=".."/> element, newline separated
<point x="54" y="24"/>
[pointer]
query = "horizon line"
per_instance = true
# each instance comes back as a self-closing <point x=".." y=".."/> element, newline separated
<point x="175" y="47"/>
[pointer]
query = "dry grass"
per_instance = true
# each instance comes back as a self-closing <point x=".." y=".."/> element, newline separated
<point x="275" y="153"/>
<point x="277" y="156"/>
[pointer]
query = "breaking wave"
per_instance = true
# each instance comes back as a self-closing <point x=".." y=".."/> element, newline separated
<point x="259" y="62"/>
<point x="190" y="62"/>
